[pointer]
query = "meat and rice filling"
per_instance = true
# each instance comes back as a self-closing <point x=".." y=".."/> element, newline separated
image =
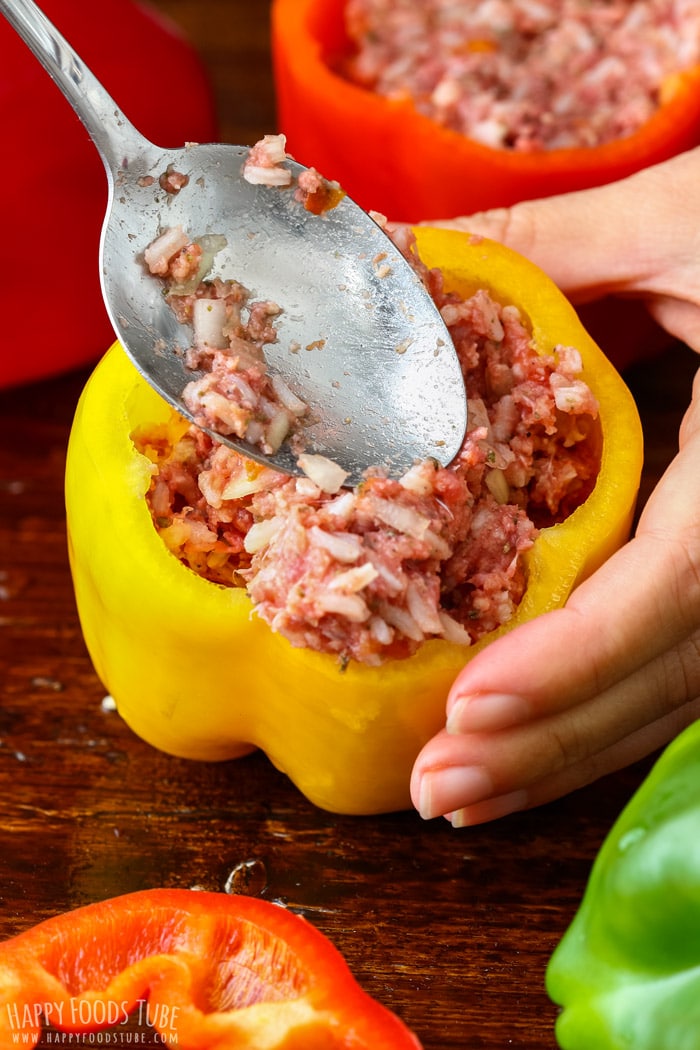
<point x="373" y="572"/>
<point x="526" y="75"/>
<point x="235" y="394"/>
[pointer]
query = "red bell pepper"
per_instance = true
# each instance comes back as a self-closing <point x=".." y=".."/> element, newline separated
<point x="391" y="158"/>
<point x="53" y="186"/>
<point x="205" y="970"/>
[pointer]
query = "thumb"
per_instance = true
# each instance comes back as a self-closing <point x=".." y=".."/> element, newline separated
<point x="623" y="238"/>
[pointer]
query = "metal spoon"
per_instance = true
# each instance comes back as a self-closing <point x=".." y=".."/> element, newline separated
<point x="382" y="378"/>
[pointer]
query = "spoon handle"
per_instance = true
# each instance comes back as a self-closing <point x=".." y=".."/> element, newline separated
<point x="114" y="136"/>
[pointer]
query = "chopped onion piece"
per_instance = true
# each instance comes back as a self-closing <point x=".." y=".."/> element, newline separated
<point x="274" y="148"/>
<point x="260" y="534"/>
<point x="403" y="519"/>
<point x="354" y="579"/>
<point x="352" y="606"/>
<point x="160" y="251"/>
<point x="419" y="478"/>
<point x="287" y="397"/>
<point x="230" y="417"/>
<point x="211" y="244"/>
<point x="277" y="430"/>
<point x="307" y="489"/>
<point x="208" y="320"/>
<point x="329" y="476"/>
<point x="246" y="484"/>
<point x="240" y="391"/>
<point x="257" y="175"/>
<point x="423" y="611"/>
<point x="255" y="432"/>
<point x="452" y="630"/>
<point x="342" y="508"/>
<point x="497" y="485"/>
<point x="345" y="547"/>
<point x="402" y="620"/>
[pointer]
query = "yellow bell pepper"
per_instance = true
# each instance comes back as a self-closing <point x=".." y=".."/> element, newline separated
<point x="194" y="674"/>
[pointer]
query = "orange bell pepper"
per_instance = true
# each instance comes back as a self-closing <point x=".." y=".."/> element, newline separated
<point x="203" y="970"/>
<point x="393" y="159"/>
<point x="195" y="674"/>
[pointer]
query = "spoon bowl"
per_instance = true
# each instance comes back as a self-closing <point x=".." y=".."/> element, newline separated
<point x="360" y="341"/>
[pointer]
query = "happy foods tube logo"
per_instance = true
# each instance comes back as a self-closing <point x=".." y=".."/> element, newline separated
<point x="80" y="1022"/>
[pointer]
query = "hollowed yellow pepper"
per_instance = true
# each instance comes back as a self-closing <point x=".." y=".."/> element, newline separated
<point x="196" y="675"/>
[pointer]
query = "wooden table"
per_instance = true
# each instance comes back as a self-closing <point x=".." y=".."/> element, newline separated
<point x="451" y="929"/>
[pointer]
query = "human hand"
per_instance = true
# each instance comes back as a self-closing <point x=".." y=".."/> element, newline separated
<point x="587" y="689"/>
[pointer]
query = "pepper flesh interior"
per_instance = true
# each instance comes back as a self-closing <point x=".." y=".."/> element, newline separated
<point x="214" y="970"/>
<point x="238" y="964"/>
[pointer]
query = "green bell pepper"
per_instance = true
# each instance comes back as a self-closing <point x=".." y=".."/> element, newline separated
<point x="627" y="971"/>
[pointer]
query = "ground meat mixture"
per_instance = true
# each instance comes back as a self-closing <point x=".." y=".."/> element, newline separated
<point x="373" y="572"/>
<point x="265" y="166"/>
<point x="236" y="394"/>
<point x="526" y="75"/>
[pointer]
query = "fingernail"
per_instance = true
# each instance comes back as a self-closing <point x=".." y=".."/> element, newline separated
<point x="492" y="809"/>
<point x="485" y="712"/>
<point x="452" y="788"/>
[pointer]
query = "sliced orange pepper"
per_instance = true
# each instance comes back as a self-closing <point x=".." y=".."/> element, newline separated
<point x="207" y="970"/>
<point x="196" y="674"/>
<point x="390" y="157"/>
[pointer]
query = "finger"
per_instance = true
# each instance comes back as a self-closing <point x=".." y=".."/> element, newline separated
<point x="689" y="436"/>
<point x="488" y="774"/>
<point x="619" y="238"/>
<point x="639" y="605"/>
<point x="580" y="239"/>
<point x="621" y="754"/>
<point x="679" y="317"/>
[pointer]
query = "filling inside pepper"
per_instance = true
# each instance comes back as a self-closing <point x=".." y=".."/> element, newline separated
<point x="512" y="74"/>
<point x="373" y="572"/>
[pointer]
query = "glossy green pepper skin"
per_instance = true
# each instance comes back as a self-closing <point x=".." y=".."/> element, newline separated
<point x="627" y="971"/>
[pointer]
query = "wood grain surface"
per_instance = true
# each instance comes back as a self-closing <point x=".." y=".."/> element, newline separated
<point x="451" y="929"/>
